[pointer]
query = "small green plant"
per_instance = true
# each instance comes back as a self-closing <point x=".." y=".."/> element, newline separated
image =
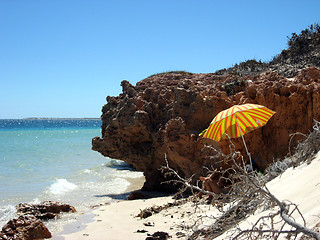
<point x="308" y="35"/>
<point x="172" y="72"/>
<point x="247" y="67"/>
<point x="229" y="87"/>
<point x="303" y="51"/>
<point x="301" y="45"/>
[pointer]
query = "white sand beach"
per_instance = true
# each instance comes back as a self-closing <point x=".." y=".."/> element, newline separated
<point x="119" y="220"/>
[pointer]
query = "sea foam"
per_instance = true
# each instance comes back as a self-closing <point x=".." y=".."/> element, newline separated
<point x="61" y="186"/>
<point x="6" y="213"/>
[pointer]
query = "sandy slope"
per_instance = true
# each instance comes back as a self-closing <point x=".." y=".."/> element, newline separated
<point x="119" y="220"/>
<point x="299" y="185"/>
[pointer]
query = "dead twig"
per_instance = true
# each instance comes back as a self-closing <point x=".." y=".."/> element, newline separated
<point x="248" y="192"/>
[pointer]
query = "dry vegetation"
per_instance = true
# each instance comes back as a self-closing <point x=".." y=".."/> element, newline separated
<point x="249" y="193"/>
<point x="303" y="51"/>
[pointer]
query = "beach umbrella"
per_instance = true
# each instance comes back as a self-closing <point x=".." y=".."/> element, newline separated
<point x="238" y="120"/>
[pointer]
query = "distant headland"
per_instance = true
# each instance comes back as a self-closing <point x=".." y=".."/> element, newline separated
<point x="42" y="118"/>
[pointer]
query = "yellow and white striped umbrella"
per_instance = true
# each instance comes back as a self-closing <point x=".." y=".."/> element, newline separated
<point x="237" y="121"/>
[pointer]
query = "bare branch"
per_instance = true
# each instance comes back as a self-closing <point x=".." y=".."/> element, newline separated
<point x="247" y="193"/>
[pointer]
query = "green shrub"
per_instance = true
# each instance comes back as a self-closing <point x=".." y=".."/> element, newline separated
<point x="172" y="72"/>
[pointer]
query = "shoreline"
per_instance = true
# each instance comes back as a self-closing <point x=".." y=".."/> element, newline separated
<point x="120" y="219"/>
<point x="87" y="217"/>
<point x="117" y="221"/>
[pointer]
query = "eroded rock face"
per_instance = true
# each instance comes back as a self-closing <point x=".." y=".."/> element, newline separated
<point x="163" y="115"/>
<point x="45" y="210"/>
<point x="25" y="228"/>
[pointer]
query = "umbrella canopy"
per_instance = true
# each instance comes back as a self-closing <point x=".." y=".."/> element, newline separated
<point x="237" y="121"/>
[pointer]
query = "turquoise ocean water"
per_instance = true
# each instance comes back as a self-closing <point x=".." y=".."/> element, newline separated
<point x="52" y="160"/>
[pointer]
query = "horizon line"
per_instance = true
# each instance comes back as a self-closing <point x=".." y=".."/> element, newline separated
<point x="51" y="118"/>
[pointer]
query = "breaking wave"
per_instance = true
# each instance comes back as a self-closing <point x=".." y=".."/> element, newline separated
<point x="61" y="186"/>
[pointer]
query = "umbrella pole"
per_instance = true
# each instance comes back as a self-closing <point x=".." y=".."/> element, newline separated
<point x="245" y="145"/>
<point x="249" y="155"/>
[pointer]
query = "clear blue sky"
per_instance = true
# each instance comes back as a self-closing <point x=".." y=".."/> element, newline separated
<point x="61" y="58"/>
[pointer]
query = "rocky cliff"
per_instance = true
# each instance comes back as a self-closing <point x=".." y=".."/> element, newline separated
<point x="164" y="114"/>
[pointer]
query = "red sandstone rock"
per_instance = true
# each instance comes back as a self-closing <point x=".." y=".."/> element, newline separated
<point x="137" y="195"/>
<point x="164" y="114"/>
<point x="45" y="210"/>
<point x="25" y="228"/>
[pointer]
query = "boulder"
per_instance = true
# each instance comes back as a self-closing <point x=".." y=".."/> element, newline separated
<point x="25" y="227"/>
<point x="45" y="210"/>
